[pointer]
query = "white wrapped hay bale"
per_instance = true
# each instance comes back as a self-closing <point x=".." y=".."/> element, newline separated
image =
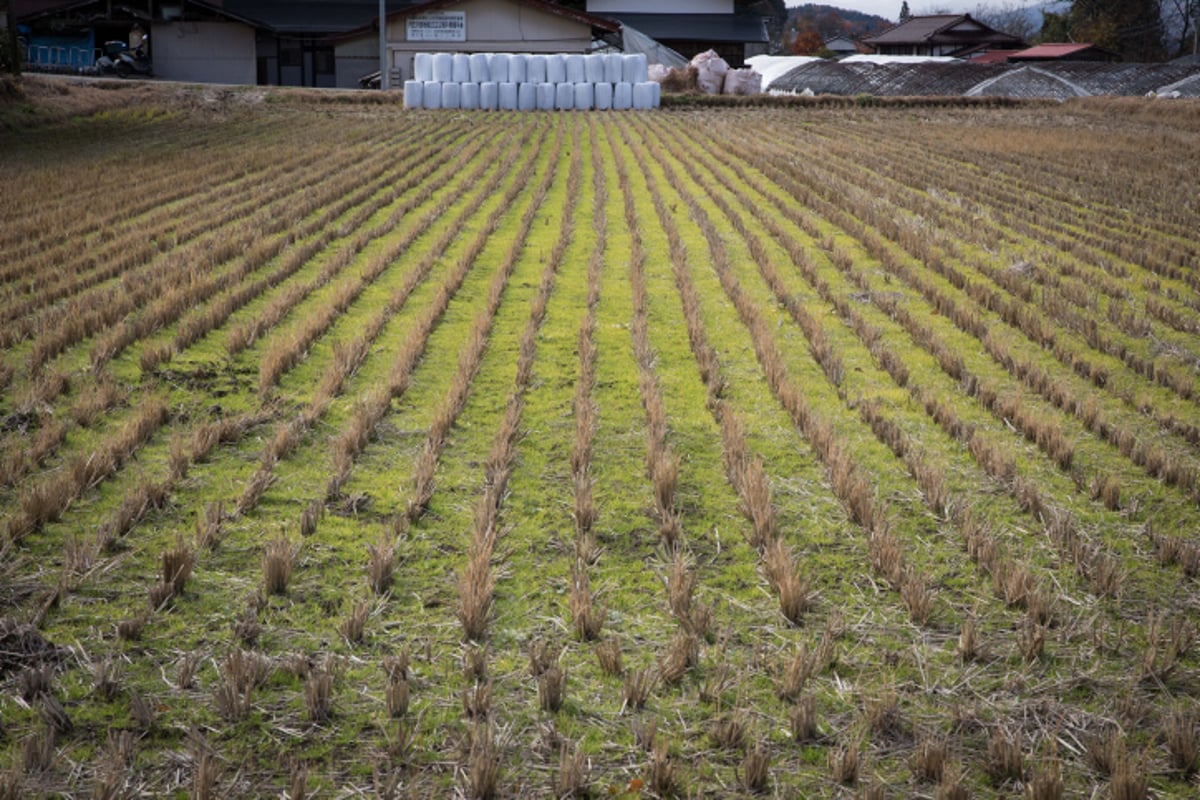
<point x="508" y="96"/>
<point x="743" y="82"/>
<point x="622" y="96"/>
<point x="489" y="95"/>
<point x="479" y="68"/>
<point x="613" y="67"/>
<point x="545" y="96"/>
<point x="602" y="96"/>
<point x="656" y="95"/>
<point x="564" y="97"/>
<point x="575" y="69"/>
<point x="498" y="68"/>
<point x="423" y="67"/>
<point x="593" y="67"/>
<point x="413" y="94"/>
<point x="443" y="67"/>
<point x="657" y="73"/>
<point x="527" y="96"/>
<point x="516" y="68"/>
<point x="633" y="68"/>
<point x="450" y="94"/>
<point x="535" y="69"/>
<point x="469" y="96"/>
<point x="556" y="68"/>
<point x="643" y="95"/>
<point x="461" y="70"/>
<point x="711" y="69"/>
<point x="584" y="96"/>
<point x="431" y="94"/>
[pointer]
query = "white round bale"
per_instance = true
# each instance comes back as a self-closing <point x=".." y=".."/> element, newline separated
<point x="545" y="96"/>
<point x="431" y="95"/>
<point x="450" y="94"/>
<point x="469" y="96"/>
<point x="479" y="68"/>
<point x="508" y="96"/>
<point x="575" y="69"/>
<point x="489" y="95"/>
<point x="516" y="68"/>
<point x="527" y="96"/>
<point x="613" y="67"/>
<point x="643" y="95"/>
<point x="584" y="96"/>
<point x="423" y="67"/>
<point x="556" y="68"/>
<point x="535" y="69"/>
<point x="498" y="68"/>
<point x="634" y="69"/>
<point x="564" y="98"/>
<point x="593" y="68"/>
<point x="461" y="70"/>
<point x="412" y="94"/>
<point x="622" y="96"/>
<point x="443" y="67"/>
<point x="603" y="96"/>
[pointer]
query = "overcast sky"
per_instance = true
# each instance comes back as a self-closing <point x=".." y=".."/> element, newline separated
<point x="890" y="9"/>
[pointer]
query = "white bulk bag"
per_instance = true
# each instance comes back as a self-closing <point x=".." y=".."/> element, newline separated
<point x="516" y="68"/>
<point x="432" y="94"/>
<point x="450" y="94"/>
<point x="545" y="96"/>
<point x="643" y="95"/>
<point x="613" y="67"/>
<point x="527" y="96"/>
<point x="633" y="68"/>
<point x="593" y="68"/>
<point x="711" y="69"/>
<point x="535" y="69"/>
<point x="584" y="96"/>
<point x="556" y="68"/>
<point x="742" y="81"/>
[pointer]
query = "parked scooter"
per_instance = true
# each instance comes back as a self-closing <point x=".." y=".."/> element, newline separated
<point x="123" y="62"/>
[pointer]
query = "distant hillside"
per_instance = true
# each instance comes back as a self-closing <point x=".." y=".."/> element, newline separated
<point x="831" y="21"/>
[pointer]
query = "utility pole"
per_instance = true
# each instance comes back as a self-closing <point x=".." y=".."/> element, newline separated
<point x="383" y="53"/>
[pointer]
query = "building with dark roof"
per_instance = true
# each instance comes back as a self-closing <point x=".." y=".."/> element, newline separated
<point x="954" y="35"/>
<point x="690" y="27"/>
<point x="1065" y="51"/>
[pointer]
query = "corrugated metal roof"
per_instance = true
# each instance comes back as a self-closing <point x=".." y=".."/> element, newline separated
<point x="698" y="27"/>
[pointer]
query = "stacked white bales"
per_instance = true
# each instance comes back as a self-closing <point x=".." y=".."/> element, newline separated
<point x="528" y="82"/>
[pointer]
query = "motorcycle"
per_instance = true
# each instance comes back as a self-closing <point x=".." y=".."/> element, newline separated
<point x="118" y="59"/>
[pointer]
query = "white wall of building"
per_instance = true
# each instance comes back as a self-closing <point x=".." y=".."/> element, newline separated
<point x="660" y="7"/>
<point x="209" y="52"/>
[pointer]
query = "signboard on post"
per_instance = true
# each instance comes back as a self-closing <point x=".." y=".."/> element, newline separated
<point x="438" y="26"/>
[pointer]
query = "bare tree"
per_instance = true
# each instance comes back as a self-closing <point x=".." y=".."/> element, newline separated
<point x="1011" y="17"/>
<point x="1181" y="18"/>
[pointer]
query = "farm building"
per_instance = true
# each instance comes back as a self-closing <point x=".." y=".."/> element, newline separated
<point x="471" y="26"/>
<point x="941" y="35"/>
<point x="841" y="46"/>
<point x="1065" y="51"/>
<point x="690" y="28"/>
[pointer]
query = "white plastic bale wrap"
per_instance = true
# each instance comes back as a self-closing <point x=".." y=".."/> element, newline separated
<point x="643" y="95"/>
<point x="593" y="68"/>
<point x="564" y="97"/>
<point x="556" y="68"/>
<point x="431" y="95"/>
<point x="656" y="95"/>
<point x="711" y="69"/>
<point x="603" y="96"/>
<point x="489" y="95"/>
<point x="479" y="68"/>
<point x="545" y="96"/>
<point x="423" y="67"/>
<point x="451" y="93"/>
<point x="461" y="70"/>
<point x="498" y="68"/>
<point x="585" y="96"/>
<point x="742" y="81"/>
<point x="575" y="69"/>
<point x="656" y="73"/>
<point x="633" y="68"/>
<point x="517" y="68"/>
<point x="443" y="67"/>
<point x="613" y="68"/>
<point x="535" y="69"/>
<point x="527" y="96"/>
<point x="508" y="96"/>
<point x="469" y="96"/>
<point x="622" y="96"/>
<point x="413" y="94"/>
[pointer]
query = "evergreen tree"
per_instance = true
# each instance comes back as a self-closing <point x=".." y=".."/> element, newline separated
<point x="904" y="12"/>
<point x="1132" y="28"/>
<point x="10" y="51"/>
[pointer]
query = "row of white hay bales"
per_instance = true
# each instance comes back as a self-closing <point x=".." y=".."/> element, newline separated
<point x="529" y="82"/>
